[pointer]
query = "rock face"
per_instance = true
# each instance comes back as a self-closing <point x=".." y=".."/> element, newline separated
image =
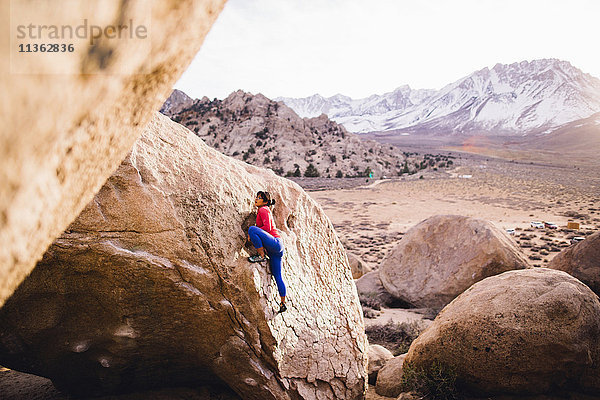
<point x="378" y="356"/>
<point x="64" y="134"/>
<point x="151" y="286"/>
<point x="442" y="256"/>
<point x="581" y="261"/>
<point x="390" y="377"/>
<point x="521" y="332"/>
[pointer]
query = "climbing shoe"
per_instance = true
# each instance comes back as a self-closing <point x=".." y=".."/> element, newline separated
<point x="282" y="307"/>
<point x="256" y="259"/>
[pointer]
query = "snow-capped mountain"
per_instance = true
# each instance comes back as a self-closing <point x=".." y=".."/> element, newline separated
<point x="517" y="99"/>
<point x="347" y="109"/>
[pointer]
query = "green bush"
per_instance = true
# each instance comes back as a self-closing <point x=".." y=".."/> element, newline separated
<point x="437" y="382"/>
<point x="296" y="173"/>
<point x="311" y="171"/>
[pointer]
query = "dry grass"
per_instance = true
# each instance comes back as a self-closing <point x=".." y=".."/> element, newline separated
<point x="394" y="336"/>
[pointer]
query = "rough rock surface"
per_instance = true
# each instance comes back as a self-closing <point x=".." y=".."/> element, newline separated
<point x="358" y="267"/>
<point x="581" y="261"/>
<point x="522" y="332"/>
<point x="64" y="134"/>
<point x="390" y="377"/>
<point x="151" y="286"/>
<point x="442" y="256"/>
<point x="378" y="356"/>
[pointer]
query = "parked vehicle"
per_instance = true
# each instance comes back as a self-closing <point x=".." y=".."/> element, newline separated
<point x="577" y="239"/>
<point x="550" y="225"/>
<point x="510" y="231"/>
<point x="537" y="225"/>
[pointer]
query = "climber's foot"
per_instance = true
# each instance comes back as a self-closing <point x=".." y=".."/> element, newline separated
<point x="256" y="259"/>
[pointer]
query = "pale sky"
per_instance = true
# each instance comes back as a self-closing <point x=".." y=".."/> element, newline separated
<point x="296" y="48"/>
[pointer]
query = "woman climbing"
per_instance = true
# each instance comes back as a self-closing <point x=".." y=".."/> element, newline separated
<point x="265" y="237"/>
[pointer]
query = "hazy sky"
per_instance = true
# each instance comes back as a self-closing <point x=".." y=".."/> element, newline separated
<point x="297" y="48"/>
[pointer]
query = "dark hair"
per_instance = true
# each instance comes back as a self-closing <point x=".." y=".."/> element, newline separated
<point x="266" y="198"/>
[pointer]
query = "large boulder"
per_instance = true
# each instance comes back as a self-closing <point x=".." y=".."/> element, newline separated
<point x="389" y="379"/>
<point x="378" y="356"/>
<point x="151" y="286"/>
<point x="69" y="118"/>
<point x="442" y="256"/>
<point x="522" y="332"/>
<point x="372" y="293"/>
<point x="581" y="261"/>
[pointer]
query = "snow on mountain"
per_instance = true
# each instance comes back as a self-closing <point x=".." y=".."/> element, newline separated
<point x="343" y="106"/>
<point x="516" y="99"/>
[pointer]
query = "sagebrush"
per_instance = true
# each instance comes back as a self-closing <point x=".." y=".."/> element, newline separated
<point x="436" y="382"/>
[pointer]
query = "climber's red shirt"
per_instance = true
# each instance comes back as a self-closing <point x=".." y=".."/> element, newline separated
<point x="264" y="220"/>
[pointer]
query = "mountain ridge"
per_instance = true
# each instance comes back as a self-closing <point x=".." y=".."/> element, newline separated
<point x="269" y="134"/>
<point x="521" y="98"/>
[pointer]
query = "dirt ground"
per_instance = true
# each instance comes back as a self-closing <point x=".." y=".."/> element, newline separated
<point x="372" y="218"/>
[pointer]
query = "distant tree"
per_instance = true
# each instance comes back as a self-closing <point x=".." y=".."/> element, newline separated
<point x="339" y="174"/>
<point x="267" y="160"/>
<point x="333" y="158"/>
<point x="311" y="171"/>
<point x="405" y="169"/>
<point x="297" y="172"/>
<point x="368" y="172"/>
<point x="251" y="150"/>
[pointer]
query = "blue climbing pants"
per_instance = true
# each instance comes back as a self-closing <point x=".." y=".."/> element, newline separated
<point x="274" y="248"/>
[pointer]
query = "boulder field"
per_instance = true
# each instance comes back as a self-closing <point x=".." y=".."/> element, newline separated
<point x="151" y="287"/>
